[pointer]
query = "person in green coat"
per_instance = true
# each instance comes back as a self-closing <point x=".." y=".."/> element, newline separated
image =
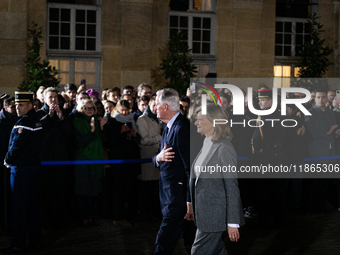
<point x="89" y="146"/>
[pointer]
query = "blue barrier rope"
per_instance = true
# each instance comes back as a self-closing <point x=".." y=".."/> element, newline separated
<point x="95" y="162"/>
<point x="147" y="160"/>
<point x="322" y="158"/>
<point x="243" y="158"/>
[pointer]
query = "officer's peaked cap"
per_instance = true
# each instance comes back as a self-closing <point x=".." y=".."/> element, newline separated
<point x="21" y="96"/>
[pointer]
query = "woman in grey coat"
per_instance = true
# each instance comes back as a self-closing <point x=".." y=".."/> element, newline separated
<point x="216" y="203"/>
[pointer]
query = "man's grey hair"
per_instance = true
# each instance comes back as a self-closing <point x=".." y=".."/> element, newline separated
<point x="170" y="97"/>
<point x="50" y="89"/>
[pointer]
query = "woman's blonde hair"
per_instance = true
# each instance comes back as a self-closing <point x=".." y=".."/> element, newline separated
<point x="119" y="105"/>
<point x="221" y="130"/>
<point x="82" y="104"/>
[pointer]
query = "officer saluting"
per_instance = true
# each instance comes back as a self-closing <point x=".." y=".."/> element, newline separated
<point x="23" y="157"/>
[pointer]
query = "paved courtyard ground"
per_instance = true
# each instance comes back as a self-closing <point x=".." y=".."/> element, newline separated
<point x="299" y="234"/>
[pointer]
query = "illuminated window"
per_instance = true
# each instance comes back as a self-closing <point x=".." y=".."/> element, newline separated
<point x="74" y="41"/>
<point x="204" y="5"/>
<point x="282" y="75"/>
<point x="196" y="19"/>
<point x="73" y="70"/>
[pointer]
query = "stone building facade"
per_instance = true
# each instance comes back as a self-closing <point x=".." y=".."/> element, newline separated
<point x="121" y="42"/>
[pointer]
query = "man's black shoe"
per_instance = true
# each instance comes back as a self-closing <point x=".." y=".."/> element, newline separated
<point x="11" y="250"/>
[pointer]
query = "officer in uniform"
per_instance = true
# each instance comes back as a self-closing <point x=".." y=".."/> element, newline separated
<point x="23" y="157"/>
<point x="267" y="139"/>
<point x="267" y="148"/>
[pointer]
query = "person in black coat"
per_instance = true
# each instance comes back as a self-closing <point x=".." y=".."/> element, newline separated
<point x="8" y="117"/>
<point x="123" y="142"/>
<point x="56" y="185"/>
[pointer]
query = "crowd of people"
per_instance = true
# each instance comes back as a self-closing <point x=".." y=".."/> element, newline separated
<point x="265" y="142"/>
<point x="78" y="124"/>
<point x="83" y="124"/>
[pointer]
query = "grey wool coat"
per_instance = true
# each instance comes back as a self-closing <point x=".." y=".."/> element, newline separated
<point x="149" y="131"/>
<point x="216" y="197"/>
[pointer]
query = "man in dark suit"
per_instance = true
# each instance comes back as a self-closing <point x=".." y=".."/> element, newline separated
<point x="172" y="158"/>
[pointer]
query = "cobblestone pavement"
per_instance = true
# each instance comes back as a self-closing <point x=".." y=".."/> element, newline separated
<point x="300" y="234"/>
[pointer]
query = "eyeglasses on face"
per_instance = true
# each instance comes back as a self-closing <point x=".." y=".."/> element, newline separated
<point x="86" y="108"/>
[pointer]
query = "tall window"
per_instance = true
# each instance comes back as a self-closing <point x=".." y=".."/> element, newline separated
<point x="196" y="19"/>
<point x="291" y="32"/>
<point x="73" y="42"/>
<point x="197" y="29"/>
<point x="290" y="35"/>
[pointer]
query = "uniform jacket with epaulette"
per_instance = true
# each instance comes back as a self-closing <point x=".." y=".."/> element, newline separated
<point x="25" y="141"/>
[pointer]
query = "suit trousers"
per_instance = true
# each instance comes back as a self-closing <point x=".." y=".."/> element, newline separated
<point x="168" y="235"/>
<point x="208" y="243"/>
<point x="25" y="205"/>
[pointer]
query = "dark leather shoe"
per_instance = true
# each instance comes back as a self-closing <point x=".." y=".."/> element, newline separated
<point x="12" y="250"/>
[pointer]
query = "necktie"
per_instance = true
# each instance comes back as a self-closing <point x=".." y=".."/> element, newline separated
<point x="166" y="130"/>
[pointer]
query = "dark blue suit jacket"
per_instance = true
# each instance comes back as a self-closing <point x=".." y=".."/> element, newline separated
<point x="174" y="176"/>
